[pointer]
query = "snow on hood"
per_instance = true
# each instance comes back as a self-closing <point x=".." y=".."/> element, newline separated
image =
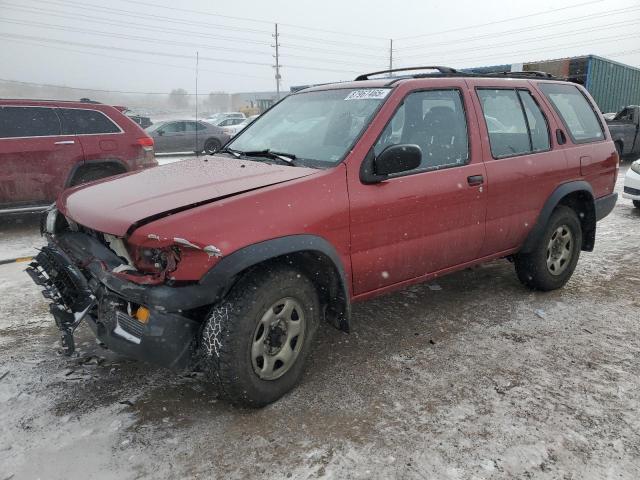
<point x="114" y="205"/>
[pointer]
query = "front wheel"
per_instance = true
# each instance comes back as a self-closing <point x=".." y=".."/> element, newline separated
<point x="636" y="203"/>
<point x="553" y="260"/>
<point x="254" y="343"/>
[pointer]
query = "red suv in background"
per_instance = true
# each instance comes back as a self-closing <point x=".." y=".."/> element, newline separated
<point x="337" y="194"/>
<point x="46" y="146"/>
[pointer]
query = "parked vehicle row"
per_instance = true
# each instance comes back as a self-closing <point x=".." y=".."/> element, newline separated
<point x="47" y="146"/>
<point x="337" y="194"/>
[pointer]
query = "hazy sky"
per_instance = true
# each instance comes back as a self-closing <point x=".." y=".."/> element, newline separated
<point x="150" y="46"/>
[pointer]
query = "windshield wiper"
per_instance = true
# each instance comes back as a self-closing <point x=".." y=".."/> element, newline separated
<point x="288" y="158"/>
<point x="235" y="153"/>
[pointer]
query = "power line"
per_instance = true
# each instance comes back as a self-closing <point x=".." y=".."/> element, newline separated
<point x="98" y="90"/>
<point x="495" y="22"/>
<point x="135" y="60"/>
<point x="163" y="54"/>
<point x="521" y="52"/>
<point x="524" y="29"/>
<point x="305" y="27"/>
<point x="132" y="37"/>
<point x="531" y="39"/>
<point x="190" y="23"/>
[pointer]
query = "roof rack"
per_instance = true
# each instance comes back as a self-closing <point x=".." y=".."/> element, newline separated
<point x="441" y="69"/>
<point x="529" y="73"/>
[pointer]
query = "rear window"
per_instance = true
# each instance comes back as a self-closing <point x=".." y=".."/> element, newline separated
<point x="18" y="122"/>
<point x="86" y="122"/>
<point x="576" y="112"/>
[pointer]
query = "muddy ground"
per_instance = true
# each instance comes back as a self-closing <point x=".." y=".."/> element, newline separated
<point x="471" y="377"/>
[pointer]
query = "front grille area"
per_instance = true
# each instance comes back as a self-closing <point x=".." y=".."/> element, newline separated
<point x="63" y="282"/>
<point x="631" y="191"/>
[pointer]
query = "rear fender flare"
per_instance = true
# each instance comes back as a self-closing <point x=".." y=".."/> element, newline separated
<point x="587" y="220"/>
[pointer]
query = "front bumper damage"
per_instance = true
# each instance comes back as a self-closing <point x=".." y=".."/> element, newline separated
<point x="74" y="270"/>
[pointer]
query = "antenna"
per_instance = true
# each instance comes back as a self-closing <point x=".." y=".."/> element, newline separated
<point x="197" y="61"/>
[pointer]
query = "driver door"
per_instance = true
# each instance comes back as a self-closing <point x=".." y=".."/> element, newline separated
<point x="172" y="138"/>
<point x="428" y="219"/>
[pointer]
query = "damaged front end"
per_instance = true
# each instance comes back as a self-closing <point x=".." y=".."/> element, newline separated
<point x="129" y="301"/>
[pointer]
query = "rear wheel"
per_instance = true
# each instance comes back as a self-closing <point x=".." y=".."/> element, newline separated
<point x="254" y="344"/>
<point x="553" y="260"/>
<point x="619" y="150"/>
<point x="211" y="146"/>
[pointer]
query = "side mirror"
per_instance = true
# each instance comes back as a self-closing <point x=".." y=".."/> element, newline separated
<point x="160" y="132"/>
<point x="397" y="159"/>
<point x="393" y="159"/>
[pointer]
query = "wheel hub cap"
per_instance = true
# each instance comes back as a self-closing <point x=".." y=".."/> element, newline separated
<point x="278" y="339"/>
<point x="559" y="250"/>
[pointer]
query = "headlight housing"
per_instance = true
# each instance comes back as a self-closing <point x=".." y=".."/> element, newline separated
<point x="635" y="166"/>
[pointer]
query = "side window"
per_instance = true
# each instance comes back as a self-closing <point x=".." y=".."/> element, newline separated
<point x="174" y="127"/>
<point x="506" y="123"/>
<point x="28" y="122"/>
<point x="575" y="111"/>
<point x="435" y="121"/>
<point x="192" y="126"/>
<point x="86" y="122"/>
<point x="538" y="127"/>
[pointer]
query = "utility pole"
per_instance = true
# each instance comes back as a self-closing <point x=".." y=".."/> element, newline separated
<point x="391" y="54"/>
<point x="277" y="65"/>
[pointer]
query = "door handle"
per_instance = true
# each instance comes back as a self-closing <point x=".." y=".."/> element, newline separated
<point x="475" y="180"/>
<point x="65" y="142"/>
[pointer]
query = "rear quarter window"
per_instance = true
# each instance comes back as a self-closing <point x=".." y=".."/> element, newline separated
<point x="576" y="112"/>
<point x="86" y="122"/>
<point x="16" y="122"/>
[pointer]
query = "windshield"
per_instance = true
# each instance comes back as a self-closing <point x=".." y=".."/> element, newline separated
<point x="317" y="126"/>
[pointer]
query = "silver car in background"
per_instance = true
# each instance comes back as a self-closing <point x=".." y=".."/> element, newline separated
<point x="187" y="136"/>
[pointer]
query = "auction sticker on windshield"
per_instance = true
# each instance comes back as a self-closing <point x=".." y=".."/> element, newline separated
<point x="368" y="94"/>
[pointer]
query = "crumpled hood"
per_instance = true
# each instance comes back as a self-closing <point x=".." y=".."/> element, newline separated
<point x="113" y="206"/>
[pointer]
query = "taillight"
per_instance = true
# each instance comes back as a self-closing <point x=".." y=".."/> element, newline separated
<point x="146" y="142"/>
<point x="148" y="156"/>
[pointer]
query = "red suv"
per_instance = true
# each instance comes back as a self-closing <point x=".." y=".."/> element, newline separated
<point x="337" y="194"/>
<point x="46" y="146"/>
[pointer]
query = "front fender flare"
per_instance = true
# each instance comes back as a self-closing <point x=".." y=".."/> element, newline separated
<point x="222" y="276"/>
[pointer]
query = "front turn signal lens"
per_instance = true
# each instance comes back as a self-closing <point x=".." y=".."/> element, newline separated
<point x="143" y="314"/>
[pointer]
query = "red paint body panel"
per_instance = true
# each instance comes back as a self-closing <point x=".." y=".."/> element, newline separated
<point x="34" y="170"/>
<point x="134" y="197"/>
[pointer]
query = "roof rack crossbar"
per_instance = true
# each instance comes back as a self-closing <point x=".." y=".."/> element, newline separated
<point x="441" y="69"/>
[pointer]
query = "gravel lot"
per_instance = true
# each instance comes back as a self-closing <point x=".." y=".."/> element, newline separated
<point x="472" y="377"/>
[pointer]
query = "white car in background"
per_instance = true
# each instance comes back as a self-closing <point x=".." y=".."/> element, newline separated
<point x="233" y="130"/>
<point x="632" y="184"/>
<point x="220" y="117"/>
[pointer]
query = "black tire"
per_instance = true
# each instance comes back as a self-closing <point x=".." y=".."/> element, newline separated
<point x="211" y="146"/>
<point x="232" y="327"/>
<point x="619" y="150"/>
<point x="636" y="203"/>
<point x="93" y="173"/>
<point x="533" y="269"/>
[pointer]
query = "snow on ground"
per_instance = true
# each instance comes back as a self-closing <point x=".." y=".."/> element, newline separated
<point x="479" y="379"/>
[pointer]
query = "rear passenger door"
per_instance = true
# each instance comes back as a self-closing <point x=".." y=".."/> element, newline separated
<point x="35" y="157"/>
<point x="430" y="218"/>
<point x="100" y="137"/>
<point x="522" y="166"/>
